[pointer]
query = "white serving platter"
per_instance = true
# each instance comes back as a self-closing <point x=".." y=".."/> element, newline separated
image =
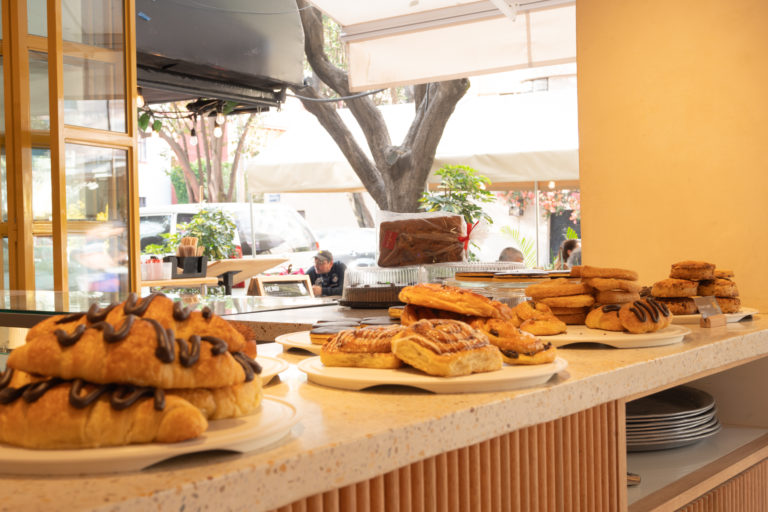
<point x="270" y="366"/>
<point x="508" y="378"/>
<point x="583" y="334"/>
<point x="729" y="317"/>
<point x="298" y="340"/>
<point x="247" y="433"/>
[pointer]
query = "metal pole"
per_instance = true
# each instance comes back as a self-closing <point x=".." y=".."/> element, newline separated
<point x="536" y="192"/>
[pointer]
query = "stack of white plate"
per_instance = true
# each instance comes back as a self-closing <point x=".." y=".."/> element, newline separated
<point x="670" y="419"/>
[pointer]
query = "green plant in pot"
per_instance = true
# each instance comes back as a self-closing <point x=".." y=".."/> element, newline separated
<point x="214" y="230"/>
<point x="462" y="189"/>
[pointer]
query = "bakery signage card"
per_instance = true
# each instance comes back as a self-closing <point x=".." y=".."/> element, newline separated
<point x="708" y="306"/>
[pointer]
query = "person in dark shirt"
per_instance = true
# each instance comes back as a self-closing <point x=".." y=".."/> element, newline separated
<point x="327" y="276"/>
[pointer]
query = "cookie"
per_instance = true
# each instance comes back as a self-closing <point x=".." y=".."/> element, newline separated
<point x="556" y="288"/>
<point x="611" y="273"/>
<point x="606" y="284"/>
<point x="615" y="297"/>
<point x="571" y="301"/>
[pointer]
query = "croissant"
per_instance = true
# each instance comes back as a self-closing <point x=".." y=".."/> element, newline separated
<point x="38" y="414"/>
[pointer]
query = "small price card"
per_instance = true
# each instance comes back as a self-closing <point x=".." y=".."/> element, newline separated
<point x="711" y="315"/>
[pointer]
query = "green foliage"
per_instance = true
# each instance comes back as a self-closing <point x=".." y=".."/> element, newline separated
<point x="144" y="121"/>
<point x="461" y="191"/>
<point x="571" y="234"/>
<point x="158" y="249"/>
<point x="526" y="246"/>
<point x="214" y="229"/>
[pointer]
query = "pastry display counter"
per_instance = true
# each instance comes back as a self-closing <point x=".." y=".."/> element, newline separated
<point x="560" y="445"/>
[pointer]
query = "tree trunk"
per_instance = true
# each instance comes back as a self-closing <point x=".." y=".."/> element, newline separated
<point x="396" y="175"/>
<point x="362" y="213"/>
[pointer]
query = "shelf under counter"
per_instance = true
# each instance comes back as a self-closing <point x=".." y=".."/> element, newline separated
<point x="669" y="477"/>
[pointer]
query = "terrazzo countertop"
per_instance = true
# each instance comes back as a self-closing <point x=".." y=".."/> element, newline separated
<point x="346" y="436"/>
<point x="268" y="325"/>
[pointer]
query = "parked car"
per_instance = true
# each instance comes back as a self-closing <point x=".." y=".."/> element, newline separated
<point x="355" y="247"/>
<point x="276" y="229"/>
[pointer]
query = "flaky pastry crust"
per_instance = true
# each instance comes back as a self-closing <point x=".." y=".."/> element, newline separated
<point x="448" y="298"/>
<point x="446" y="348"/>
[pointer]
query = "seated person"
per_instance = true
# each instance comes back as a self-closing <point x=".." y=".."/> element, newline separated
<point x="511" y="254"/>
<point x="327" y="277"/>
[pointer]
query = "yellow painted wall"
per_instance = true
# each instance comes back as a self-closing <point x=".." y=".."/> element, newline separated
<point x="673" y="129"/>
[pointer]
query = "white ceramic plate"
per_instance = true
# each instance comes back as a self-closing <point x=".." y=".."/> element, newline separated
<point x="270" y="366"/>
<point x="298" y="340"/>
<point x="508" y="378"/>
<point x="729" y="317"/>
<point x="583" y="334"/>
<point x="273" y="422"/>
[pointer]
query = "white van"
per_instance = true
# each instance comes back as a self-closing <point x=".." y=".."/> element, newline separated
<point x="276" y="229"/>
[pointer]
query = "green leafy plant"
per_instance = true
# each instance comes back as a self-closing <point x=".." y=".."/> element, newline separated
<point x="462" y="190"/>
<point x="527" y="247"/>
<point x="158" y="249"/>
<point x="571" y="234"/>
<point x="214" y="230"/>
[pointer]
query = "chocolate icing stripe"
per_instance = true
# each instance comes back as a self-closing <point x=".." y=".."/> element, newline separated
<point x="126" y="396"/>
<point x="639" y="313"/>
<point x="131" y="307"/>
<point x="164" y="350"/>
<point x="80" y="401"/>
<point x="66" y="340"/>
<point x="651" y="311"/>
<point x="33" y="392"/>
<point x="109" y="333"/>
<point x="189" y="352"/>
<point x="5" y="378"/>
<point x="69" y="318"/>
<point x="250" y="366"/>
<point x="180" y="312"/>
<point x="219" y="345"/>
<point x="98" y="315"/>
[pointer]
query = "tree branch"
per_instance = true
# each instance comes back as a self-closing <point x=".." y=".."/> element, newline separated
<point x="236" y="160"/>
<point x="364" y="111"/>
<point x="334" y="125"/>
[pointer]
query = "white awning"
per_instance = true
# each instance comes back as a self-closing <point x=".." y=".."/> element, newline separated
<point x="508" y="138"/>
<point x="400" y="42"/>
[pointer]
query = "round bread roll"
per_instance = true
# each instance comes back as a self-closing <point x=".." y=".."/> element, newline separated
<point x="674" y="287"/>
<point x="693" y="270"/>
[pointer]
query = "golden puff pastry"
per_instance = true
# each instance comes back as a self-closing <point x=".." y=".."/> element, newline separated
<point x="365" y="347"/>
<point x="448" y="298"/>
<point x="446" y="348"/>
<point x="524" y="348"/>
